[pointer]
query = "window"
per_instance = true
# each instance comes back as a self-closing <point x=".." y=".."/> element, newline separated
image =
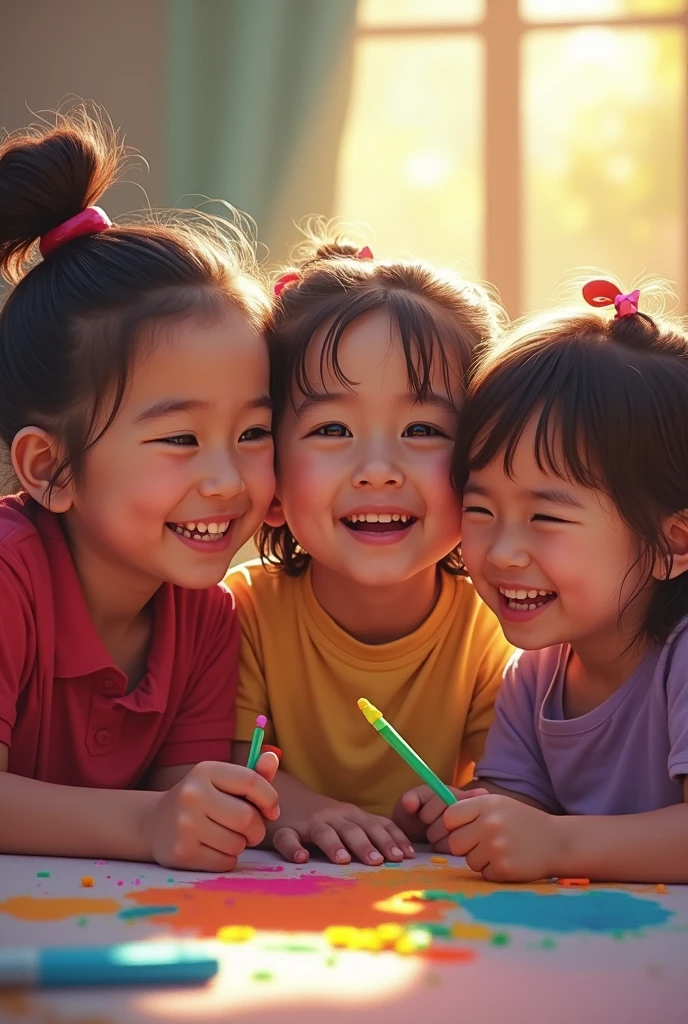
<point x="521" y="141"/>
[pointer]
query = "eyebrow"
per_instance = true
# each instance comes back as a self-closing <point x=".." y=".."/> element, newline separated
<point x="339" y="397"/>
<point x="554" y="495"/>
<point x="167" y="406"/>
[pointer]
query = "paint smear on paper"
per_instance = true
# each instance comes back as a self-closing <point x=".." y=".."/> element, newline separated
<point x="31" y="908"/>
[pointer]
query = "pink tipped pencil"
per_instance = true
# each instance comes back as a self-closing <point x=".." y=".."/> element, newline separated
<point x="257" y="741"/>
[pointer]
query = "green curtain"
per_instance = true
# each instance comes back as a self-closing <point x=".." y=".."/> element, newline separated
<point x="257" y="98"/>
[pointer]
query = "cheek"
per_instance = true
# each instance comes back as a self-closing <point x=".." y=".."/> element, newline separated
<point x="303" y="477"/>
<point x="259" y="476"/>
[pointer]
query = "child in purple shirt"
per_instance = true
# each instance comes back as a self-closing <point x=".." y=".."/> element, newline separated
<point x="573" y="462"/>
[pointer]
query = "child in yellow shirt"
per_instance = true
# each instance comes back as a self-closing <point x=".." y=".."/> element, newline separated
<point x="361" y="591"/>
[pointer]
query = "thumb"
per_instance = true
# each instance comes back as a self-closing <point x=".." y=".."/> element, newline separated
<point x="267" y="765"/>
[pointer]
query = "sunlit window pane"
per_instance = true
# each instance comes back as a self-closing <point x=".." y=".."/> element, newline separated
<point x="604" y="115"/>
<point x="586" y="10"/>
<point x="420" y="12"/>
<point x="410" y="164"/>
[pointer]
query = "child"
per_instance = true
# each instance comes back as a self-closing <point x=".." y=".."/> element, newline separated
<point x="574" y="466"/>
<point x="362" y="592"/>
<point x="133" y="397"/>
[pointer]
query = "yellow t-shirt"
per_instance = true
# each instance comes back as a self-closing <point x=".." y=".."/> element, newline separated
<point x="437" y="687"/>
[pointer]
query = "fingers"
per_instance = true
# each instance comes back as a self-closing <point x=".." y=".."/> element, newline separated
<point x="432" y="810"/>
<point x="463" y="840"/>
<point x="327" y="838"/>
<point x="401" y="839"/>
<point x="463" y="812"/>
<point x="387" y="843"/>
<point x="413" y="799"/>
<point x="211" y="860"/>
<point x="287" y="842"/>
<point x="235" y="815"/>
<point x="437" y="831"/>
<point x="240" y="781"/>
<point x="267" y="765"/>
<point x="221" y="839"/>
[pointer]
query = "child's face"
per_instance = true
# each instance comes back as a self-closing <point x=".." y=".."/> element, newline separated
<point x="184" y="475"/>
<point x="364" y="473"/>
<point x="553" y="559"/>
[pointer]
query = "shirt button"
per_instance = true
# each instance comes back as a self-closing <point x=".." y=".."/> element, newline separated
<point x="108" y="685"/>
<point x="102" y="737"/>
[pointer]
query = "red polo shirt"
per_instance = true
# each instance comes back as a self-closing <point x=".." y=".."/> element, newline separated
<point x="64" y="710"/>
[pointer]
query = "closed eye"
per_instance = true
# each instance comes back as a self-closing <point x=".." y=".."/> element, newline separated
<point x="478" y="509"/>
<point x="331" y="430"/>
<point x="423" y="430"/>
<point x="548" y="518"/>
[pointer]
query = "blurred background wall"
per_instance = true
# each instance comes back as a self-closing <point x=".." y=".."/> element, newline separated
<point x="514" y="139"/>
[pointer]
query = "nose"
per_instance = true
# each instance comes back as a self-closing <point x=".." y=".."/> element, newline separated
<point x="507" y="550"/>
<point x="221" y="477"/>
<point x="378" y="469"/>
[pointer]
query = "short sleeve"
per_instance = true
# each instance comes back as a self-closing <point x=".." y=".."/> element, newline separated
<point x="496" y="653"/>
<point x="203" y="727"/>
<point x="513" y="757"/>
<point x="17" y="646"/>
<point x="252" y="692"/>
<point x="677" y="708"/>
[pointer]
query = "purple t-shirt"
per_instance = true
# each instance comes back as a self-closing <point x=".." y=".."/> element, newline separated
<point x="626" y="756"/>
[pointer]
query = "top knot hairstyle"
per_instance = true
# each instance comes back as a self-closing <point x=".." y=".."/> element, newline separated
<point x="440" y="319"/>
<point x="70" y="328"/>
<point x="611" y="401"/>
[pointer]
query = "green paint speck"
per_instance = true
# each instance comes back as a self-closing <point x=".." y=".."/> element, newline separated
<point x="330" y="961"/>
<point x="392" y="864"/>
<point x="42" y="874"/>
<point x="618" y="935"/>
<point x="548" y="944"/>
<point x="170" y="881"/>
<point x="82" y="921"/>
<point x="500" y="939"/>
<point x="439" y="931"/>
<point x="262" y="976"/>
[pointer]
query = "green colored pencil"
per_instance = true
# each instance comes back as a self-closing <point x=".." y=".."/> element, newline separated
<point x="257" y="741"/>
<point x="409" y="755"/>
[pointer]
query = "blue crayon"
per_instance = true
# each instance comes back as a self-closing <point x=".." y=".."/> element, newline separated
<point x="131" y="963"/>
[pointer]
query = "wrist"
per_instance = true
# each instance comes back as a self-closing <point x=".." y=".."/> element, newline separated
<point x="562" y="860"/>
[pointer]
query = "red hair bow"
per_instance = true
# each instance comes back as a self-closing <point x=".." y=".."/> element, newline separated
<point x="604" y="293"/>
<point x="365" y="253"/>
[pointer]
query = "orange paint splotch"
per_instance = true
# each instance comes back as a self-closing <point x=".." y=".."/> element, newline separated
<point x="31" y="908"/>
<point x="448" y="954"/>
<point x="361" y="898"/>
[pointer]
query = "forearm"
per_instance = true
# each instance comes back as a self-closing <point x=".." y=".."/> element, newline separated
<point x="65" y="821"/>
<point x="649" y="847"/>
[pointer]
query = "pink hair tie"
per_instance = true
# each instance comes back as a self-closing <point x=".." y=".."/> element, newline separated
<point x="604" y="293"/>
<point x="90" y="221"/>
<point x="364" y="254"/>
<point x="282" y="282"/>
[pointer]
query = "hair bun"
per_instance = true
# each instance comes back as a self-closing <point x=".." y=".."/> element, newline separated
<point x="49" y="174"/>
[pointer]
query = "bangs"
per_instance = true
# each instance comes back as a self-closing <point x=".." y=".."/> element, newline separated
<point x="426" y="338"/>
<point x="594" y="402"/>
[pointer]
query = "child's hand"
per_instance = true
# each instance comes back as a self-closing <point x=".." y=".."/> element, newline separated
<point x="211" y="816"/>
<point x="504" y="839"/>
<point x="420" y="813"/>
<point x="339" y="830"/>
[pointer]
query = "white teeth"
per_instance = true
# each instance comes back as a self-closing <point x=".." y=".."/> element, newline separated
<point x="191" y="527"/>
<point x="378" y="517"/>
<point x="201" y="531"/>
<point x="213" y="527"/>
<point x="532" y="593"/>
<point x="187" y="533"/>
<point x="202" y="527"/>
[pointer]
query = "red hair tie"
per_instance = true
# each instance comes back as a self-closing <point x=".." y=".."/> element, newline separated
<point x="281" y="283"/>
<point x="604" y="293"/>
<point x="90" y="221"/>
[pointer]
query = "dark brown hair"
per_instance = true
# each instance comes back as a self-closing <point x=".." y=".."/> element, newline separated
<point x="70" y="328"/>
<point x="435" y="313"/>
<point x="611" y="397"/>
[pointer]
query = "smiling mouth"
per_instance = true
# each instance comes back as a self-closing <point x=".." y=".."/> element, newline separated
<point x="378" y="522"/>
<point x="526" y="600"/>
<point x="209" y="533"/>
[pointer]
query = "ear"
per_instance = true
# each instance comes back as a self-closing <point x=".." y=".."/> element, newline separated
<point x="274" y="515"/>
<point x="676" y="531"/>
<point x="35" y="457"/>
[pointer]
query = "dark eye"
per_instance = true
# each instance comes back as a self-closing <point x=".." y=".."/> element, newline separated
<point x="332" y="430"/>
<point x="548" y="519"/>
<point x="478" y="509"/>
<point x="180" y="440"/>
<point x="255" y="434"/>
<point x="422" y="430"/>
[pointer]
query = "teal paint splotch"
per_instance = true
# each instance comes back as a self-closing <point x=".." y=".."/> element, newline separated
<point x="599" y="911"/>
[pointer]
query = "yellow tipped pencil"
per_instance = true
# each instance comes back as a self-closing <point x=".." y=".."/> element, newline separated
<point x="422" y="770"/>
